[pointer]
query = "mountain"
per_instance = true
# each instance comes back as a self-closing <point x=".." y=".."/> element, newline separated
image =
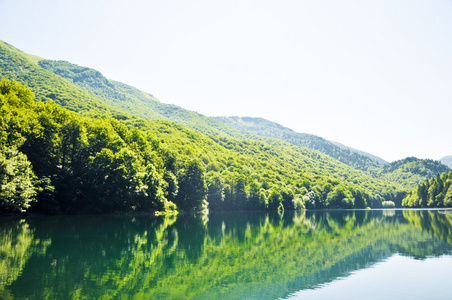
<point x="447" y="160"/>
<point x="98" y="165"/>
<point x="146" y="106"/>
<point x="130" y="132"/>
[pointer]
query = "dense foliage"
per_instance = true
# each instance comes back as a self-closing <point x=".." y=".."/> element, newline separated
<point x="81" y="164"/>
<point x="436" y="192"/>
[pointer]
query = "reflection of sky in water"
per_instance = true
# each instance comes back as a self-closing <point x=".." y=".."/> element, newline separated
<point x="398" y="277"/>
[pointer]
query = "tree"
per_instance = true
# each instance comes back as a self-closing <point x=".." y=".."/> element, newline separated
<point x="172" y="186"/>
<point x="255" y="199"/>
<point x="335" y="197"/>
<point x="153" y="182"/>
<point x="288" y="198"/>
<point x="360" y="201"/>
<point x="298" y="203"/>
<point x="192" y="186"/>
<point x="274" y="199"/>
<point x="17" y="189"/>
<point x="448" y="197"/>
<point x="215" y="195"/>
<point x="240" y="195"/>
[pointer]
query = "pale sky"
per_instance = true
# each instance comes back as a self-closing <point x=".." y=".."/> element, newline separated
<point x="373" y="75"/>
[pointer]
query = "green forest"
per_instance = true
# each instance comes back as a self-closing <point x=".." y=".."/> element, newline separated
<point x="435" y="192"/>
<point x="73" y="142"/>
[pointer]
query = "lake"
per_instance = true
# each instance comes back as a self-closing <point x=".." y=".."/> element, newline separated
<point x="366" y="254"/>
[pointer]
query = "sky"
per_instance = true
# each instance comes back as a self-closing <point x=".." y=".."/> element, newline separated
<point x="373" y="75"/>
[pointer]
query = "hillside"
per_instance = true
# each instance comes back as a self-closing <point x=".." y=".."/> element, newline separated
<point x="233" y="169"/>
<point x="267" y="128"/>
<point x="136" y="102"/>
<point x="24" y="68"/>
<point x="412" y="171"/>
<point x="77" y="159"/>
<point x="145" y="106"/>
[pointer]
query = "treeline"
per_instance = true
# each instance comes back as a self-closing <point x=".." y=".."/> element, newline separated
<point x="436" y="192"/>
<point x="55" y="161"/>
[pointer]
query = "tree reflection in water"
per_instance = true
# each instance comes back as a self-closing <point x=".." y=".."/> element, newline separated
<point x="222" y="255"/>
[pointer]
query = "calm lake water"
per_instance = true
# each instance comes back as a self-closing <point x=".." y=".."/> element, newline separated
<point x="378" y="254"/>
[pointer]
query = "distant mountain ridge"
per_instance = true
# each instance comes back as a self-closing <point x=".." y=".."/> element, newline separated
<point x="447" y="160"/>
<point x="87" y="92"/>
<point x="263" y="127"/>
<point x="377" y="159"/>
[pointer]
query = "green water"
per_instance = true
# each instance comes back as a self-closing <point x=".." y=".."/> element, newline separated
<point x="383" y="254"/>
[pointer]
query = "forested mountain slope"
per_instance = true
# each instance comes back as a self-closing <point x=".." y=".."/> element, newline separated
<point x="134" y="101"/>
<point x="264" y="127"/>
<point x="24" y="68"/>
<point x="157" y="162"/>
<point x="147" y="107"/>
<point x="78" y="164"/>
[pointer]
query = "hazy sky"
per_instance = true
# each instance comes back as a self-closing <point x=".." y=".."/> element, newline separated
<point x="374" y="75"/>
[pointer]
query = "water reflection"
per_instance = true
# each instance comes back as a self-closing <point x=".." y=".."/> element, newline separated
<point x="228" y="255"/>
